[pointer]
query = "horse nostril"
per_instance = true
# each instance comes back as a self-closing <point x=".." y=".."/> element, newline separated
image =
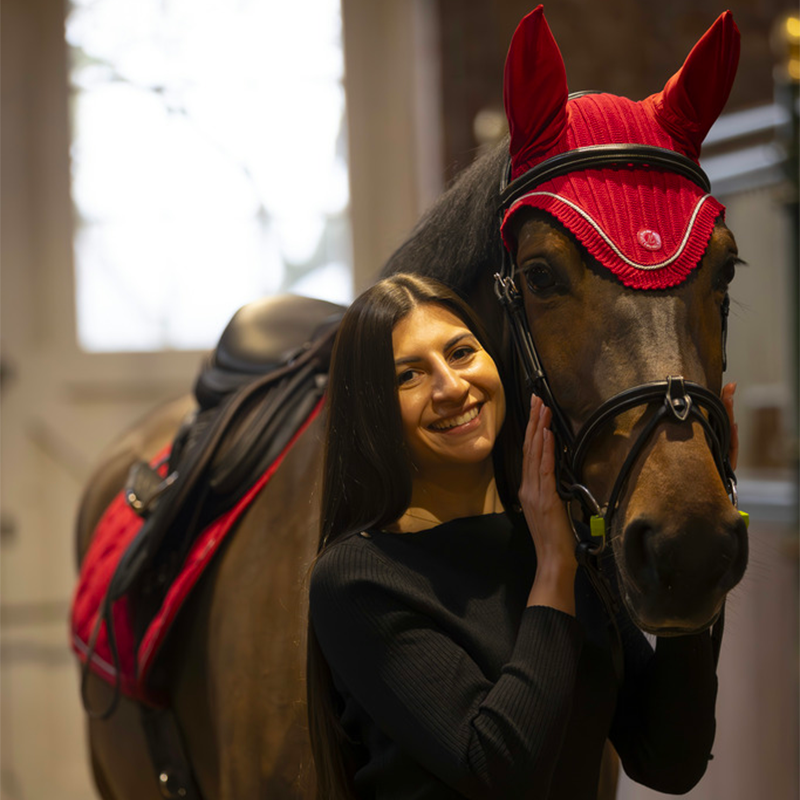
<point x="640" y="553"/>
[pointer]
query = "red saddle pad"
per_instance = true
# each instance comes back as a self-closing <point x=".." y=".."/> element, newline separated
<point x="115" y="531"/>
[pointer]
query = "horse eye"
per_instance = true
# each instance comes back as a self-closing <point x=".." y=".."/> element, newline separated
<point x="727" y="273"/>
<point x="539" y="278"/>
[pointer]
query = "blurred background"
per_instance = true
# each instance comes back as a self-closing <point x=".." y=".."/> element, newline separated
<point x="166" y="161"/>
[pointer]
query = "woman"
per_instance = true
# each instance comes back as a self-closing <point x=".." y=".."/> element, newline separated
<point x="453" y="651"/>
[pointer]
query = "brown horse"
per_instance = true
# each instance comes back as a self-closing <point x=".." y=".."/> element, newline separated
<point x="235" y="660"/>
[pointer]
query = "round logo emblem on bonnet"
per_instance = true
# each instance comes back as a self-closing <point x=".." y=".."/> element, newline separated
<point x="649" y="239"/>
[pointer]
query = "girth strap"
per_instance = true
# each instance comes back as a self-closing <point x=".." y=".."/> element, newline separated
<point x="168" y="754"/>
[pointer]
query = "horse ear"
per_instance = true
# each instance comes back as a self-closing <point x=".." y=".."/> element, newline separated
<point x="696" y="94"/>
<point x="534" y="89"/>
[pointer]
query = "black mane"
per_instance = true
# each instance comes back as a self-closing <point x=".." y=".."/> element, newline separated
<point x="457" y="240"/>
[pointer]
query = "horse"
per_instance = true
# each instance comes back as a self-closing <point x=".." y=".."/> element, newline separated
<point x="233" y="666"/>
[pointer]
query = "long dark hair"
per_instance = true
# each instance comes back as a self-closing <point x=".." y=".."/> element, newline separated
<point x="367" y="474"/>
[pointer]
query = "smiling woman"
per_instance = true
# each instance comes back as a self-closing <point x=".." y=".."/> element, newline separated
<point x="389" y="378"/>
<point x="454" y="650"/>
<point x="452" y="406"/>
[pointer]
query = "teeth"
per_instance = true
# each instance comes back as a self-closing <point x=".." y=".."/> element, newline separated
<point x="452" y="422"/>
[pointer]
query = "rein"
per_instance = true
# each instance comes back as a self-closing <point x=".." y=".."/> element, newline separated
<point x="680" y="401"/>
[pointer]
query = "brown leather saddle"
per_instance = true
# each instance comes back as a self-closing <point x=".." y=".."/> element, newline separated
<point x="255" y="390"/>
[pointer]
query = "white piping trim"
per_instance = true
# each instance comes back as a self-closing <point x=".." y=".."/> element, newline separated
<point x="605" y="236"/>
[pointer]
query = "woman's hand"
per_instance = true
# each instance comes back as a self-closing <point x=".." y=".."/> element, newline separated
<point x="728" y="391"/>
<point x="546" y="516"/>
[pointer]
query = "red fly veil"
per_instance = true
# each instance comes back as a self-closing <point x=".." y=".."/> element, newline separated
<point x="648" y="226"/>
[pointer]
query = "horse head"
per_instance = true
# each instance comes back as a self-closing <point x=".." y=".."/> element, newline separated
<point x="621" y="266"/>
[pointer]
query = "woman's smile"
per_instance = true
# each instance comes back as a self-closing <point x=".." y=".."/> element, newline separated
<point x="459" y="424"/>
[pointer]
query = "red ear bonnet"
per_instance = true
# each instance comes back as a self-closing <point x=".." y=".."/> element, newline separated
<point x="649" y="227"/>
<point x="534" y="89"/>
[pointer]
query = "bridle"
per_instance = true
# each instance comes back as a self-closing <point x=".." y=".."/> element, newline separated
<point x="678" y="400"/>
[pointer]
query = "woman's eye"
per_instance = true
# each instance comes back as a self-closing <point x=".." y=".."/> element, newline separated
<point x="462" y="353"/>
<point x="539" y="278"/>
<point x="406" y="376"/>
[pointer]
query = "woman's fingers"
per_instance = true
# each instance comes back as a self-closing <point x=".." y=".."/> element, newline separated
<point x="547" y="457"/>
<point x="533" y="421"/>
<point x="547" y="467"/>
<point x="544" y="510"/>
<point x="533" y="445"/>
<point x="538" y="467"/>
<point x="538" y="437"/>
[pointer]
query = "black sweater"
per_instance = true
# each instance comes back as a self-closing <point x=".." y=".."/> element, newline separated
<point x="453" y="688"/>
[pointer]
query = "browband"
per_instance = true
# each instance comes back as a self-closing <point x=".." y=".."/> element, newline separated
<point x="599" y="156"/>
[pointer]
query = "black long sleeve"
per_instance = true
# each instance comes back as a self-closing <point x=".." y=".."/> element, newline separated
<point x="452" y="688"/>
<point x="389" y="640"/>
<point x="664" y="724"/>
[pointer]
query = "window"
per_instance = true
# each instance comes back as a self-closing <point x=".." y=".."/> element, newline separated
<point x="209" y="164"/>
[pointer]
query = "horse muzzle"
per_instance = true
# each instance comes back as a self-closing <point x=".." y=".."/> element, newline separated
<point x="675" y="570"/>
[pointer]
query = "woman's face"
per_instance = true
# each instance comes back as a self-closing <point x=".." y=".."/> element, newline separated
<point x="452" y="402"/>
